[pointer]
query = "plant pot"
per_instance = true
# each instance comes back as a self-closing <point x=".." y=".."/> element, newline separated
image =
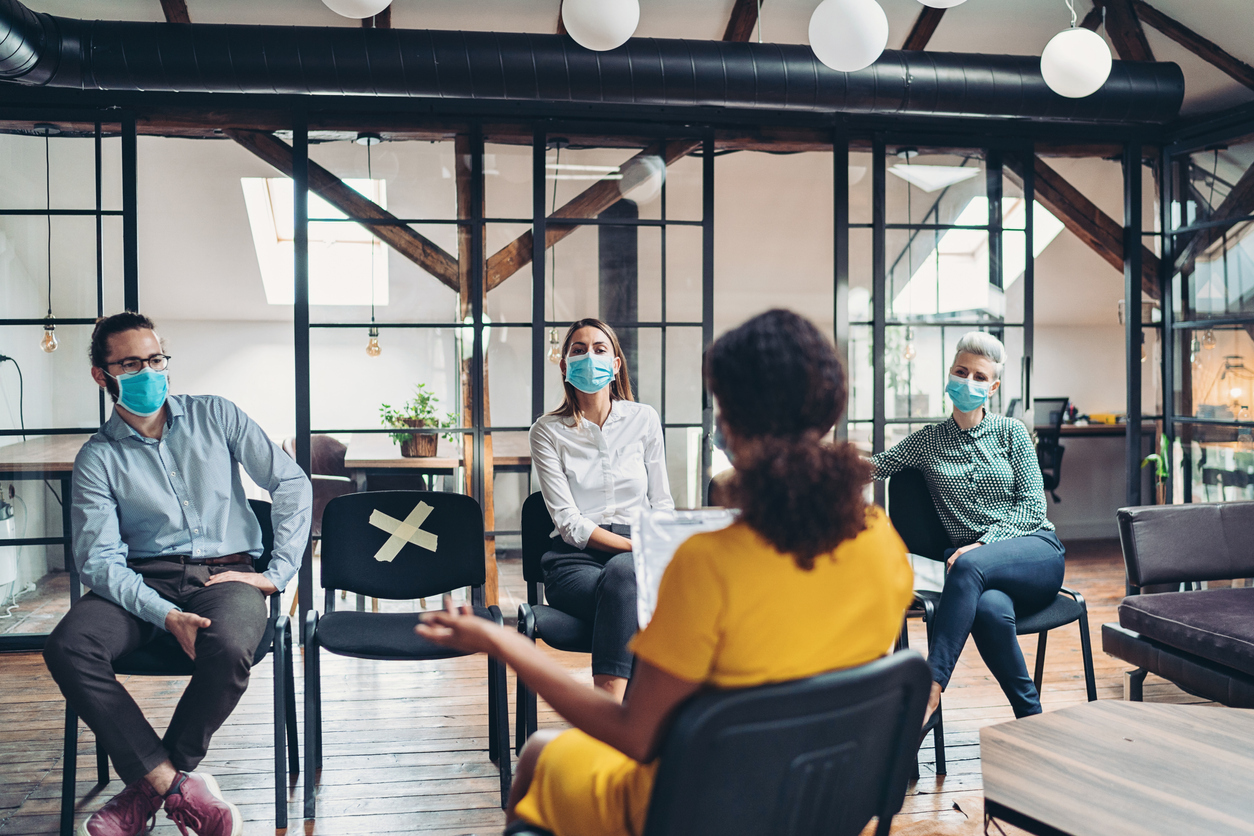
<point x="419" y="446"/>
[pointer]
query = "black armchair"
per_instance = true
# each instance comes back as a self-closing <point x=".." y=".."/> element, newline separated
<point x="164" y="657"/>
<point x="813" y="757"/>
<point x="439" y="549"/>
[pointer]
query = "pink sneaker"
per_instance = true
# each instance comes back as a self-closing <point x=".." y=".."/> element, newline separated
<point x="129" y="813"/>
<point x="195" y="801"/>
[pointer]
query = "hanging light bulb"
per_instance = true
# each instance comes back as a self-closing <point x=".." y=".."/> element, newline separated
<point x="848" y="35"/>
<point x="1208" y="339"/>
<point x="601" y="24"/>
<point x="910" y="353"/>
<point x="1076" y="62"/>
<point x="372" y="347"/>
<point x="555" y="347"/>
<point x="49" y="342"/>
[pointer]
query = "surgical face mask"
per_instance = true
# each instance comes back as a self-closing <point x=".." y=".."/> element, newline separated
<point x="143" y="393"/>
<point x="967" y="394"/>
<point x="590" y="372"/>
<point x="720" y="441"/>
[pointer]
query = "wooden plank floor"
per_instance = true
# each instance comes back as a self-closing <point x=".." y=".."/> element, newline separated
<point x="405" y="742"/>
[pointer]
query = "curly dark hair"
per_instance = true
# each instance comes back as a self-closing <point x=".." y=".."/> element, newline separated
<point x="780" y="387"/>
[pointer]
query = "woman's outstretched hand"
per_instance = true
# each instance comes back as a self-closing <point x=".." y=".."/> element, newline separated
<point x="458" y="628"/>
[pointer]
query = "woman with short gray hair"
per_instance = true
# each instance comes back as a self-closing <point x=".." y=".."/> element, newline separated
<point x="983" y="475"/>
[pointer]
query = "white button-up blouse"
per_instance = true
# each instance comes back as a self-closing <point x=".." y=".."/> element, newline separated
<point x="593" y="476"/>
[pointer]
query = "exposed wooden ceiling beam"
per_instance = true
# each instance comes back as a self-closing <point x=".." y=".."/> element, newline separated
<point x="423" y="252"/>
<point x="1124" y="29"/>
<point x="1102" y="233"/>
<point x="1238" y="204"/>
<point x="1093" y="19"/>
<point x="591" y="202"/>
<point x="1195" y="43"/>
<point x="924" y="27"/>
<point x="175" y="11"/>
<point x="383" y="20"/>
<point x="742" y="21"/>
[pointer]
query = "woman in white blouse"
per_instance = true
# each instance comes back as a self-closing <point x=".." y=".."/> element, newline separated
<point x="599" y="458"/>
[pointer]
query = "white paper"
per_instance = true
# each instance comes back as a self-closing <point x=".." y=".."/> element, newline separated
<point x="655" y="535"/>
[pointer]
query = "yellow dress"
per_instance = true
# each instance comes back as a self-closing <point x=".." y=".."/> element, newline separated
<point x="732" y="612"/>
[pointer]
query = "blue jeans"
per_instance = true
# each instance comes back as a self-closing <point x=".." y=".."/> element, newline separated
<point x="983" y="590"/>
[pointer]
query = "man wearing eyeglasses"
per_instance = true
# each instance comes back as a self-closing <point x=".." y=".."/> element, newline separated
<point x="165" y="538"/>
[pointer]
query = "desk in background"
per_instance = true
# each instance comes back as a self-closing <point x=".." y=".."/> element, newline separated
<point x="44" y="457"/>
<point x="375" y="455"/>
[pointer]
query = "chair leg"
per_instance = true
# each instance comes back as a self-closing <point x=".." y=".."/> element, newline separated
<point x="312" y="687"/>
<point x="520" y="716"/>
<point x="293" y="742"/>
<point x="102" y="764"/>
<point x="500" y="707"/>
<point x="69" y="771"/>
<point x="938" y="741"/>
<point x="1042" y="638"/>
<point x="279" y="660"/>
<point x="1090" y="683"/>
<point x="1134" y="684"/>
<point x="494" y="732"/>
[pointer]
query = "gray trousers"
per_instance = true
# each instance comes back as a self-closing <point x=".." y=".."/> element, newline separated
<point x="81" y="650"/>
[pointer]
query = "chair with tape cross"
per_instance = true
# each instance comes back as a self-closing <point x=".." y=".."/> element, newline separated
<point x="397" y="545"/>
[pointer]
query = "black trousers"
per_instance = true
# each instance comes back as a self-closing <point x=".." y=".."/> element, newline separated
<point x="80" y="653"/>
<point x="599" y="587"/>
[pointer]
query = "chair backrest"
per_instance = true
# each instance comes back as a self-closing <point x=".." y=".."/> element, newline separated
<point x="1050" y="412"/>
<point x="814" y="756"/>
<point x="261" y="509"/>
<point x="326" y="455"/>
<point x="537" y="530"/>
<point x="361" y="554"/>
<point x="913" y="513"/>
<point x="1197" y="542"/>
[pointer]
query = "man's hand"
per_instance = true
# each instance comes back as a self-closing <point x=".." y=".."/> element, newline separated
<point x="250" y="578"/>
<point x="184" y="626"/>
<point x="949" y="564"/>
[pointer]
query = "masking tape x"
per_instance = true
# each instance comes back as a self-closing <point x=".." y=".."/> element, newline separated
<point x="408" y="531"/>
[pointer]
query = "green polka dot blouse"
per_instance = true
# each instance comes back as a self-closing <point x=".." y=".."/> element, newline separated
<point x="986" y="481"/>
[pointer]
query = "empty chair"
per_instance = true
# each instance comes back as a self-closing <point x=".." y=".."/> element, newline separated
<point x="1049" y="415"/>
<point x="813" y="757"/>
<point x="366" y="549"/>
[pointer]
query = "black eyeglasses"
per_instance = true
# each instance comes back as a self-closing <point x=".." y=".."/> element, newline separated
<point x="135" y="365"/>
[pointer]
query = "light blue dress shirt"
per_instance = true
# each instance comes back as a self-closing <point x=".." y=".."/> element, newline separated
<point x="137" y="497"/>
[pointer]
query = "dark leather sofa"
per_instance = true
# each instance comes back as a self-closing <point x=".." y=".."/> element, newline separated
<point x="1202" y="640"/>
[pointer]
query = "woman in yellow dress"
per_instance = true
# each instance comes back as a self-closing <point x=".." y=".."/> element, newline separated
<point x="809" y="579"/>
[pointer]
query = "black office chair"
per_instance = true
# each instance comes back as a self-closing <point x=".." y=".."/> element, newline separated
<point x="1050" y="413"/>
<point x="537" y="620"/>
<point x="913" y="513"/>
<point x="164" y="657"/>
<point x="356" y="557"/>
<point x="815" y="756"/>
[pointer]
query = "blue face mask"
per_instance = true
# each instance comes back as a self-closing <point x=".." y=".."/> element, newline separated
<point x="720" y="441"/>
<point x="968" y="395"/>
<point x="143" y="393"/>
<point x="590" y="372"/>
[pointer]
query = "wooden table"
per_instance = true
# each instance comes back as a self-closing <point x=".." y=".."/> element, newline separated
<point x="1092" y="430"/>
<point x="1123" y="769"/>
<point x="375" y="454"/>
<point x="44" y="457"/>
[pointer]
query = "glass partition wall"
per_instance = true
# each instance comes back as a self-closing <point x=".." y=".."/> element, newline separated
<point x="1210" y="262"/>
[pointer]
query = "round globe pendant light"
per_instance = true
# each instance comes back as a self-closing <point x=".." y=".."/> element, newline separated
<point x="601" y="24"/>
<point x="942" y="4"/>
<point x="1076" y="63"/>
<point x="357" y="9"/>
<point x="848" y="35"/>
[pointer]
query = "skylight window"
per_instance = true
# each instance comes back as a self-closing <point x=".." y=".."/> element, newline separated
<point x="953" y="277"/>
<point x="933" y="178"/>
<point x="341" y="268"/>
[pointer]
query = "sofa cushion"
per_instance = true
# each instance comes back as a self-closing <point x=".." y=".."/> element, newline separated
<point x="1216" y="624"/>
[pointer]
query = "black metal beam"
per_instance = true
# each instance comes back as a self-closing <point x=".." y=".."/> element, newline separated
<point x="707" y="302"/>
<point x="879" y="294"/>
<point x="840" y="260"/>
<point x="300" y="316"/>
<point x="130" y="215"/>
<point x="539" y="266"/>
<point x="1029" y="274"/>
<point x="1132" y="316"/>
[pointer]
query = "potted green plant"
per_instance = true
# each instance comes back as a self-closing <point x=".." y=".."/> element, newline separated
<point x="419" y="412"/>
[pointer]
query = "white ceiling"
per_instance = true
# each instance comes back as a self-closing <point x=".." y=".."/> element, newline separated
<point x="1021" y="27"/>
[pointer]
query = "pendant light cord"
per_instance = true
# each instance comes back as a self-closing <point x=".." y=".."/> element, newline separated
<point x="759" y="21"/>
<point x="48" y="208"/>
<point x="1071" y="6"/>
<point x="370" y="178"/>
